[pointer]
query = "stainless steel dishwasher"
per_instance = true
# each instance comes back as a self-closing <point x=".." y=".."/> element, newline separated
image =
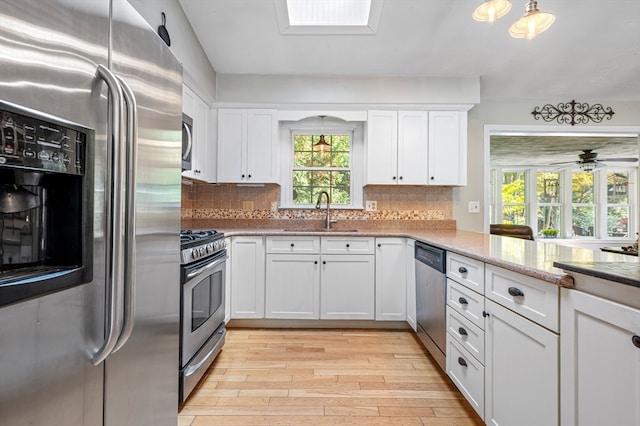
<point x="431" y="300"/>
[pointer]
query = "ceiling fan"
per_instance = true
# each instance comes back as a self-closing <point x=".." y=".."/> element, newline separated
<point x="589" y="160"/>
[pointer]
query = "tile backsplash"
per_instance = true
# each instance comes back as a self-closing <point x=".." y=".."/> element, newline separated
<point x="221" y="201"/>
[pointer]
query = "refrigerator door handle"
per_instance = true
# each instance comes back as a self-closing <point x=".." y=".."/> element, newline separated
<point x="113" y="205"/>
<point x="130" y="215"/>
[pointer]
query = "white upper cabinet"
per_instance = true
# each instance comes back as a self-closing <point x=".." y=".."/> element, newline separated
<point x="397" y="147"/>
<point x="202" y="148"/>
<point x="247" y="145"/>
<point x="447" y="148"/>
<point x="417" y="148"/>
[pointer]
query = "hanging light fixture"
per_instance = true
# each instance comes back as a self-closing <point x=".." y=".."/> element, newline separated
<point x="532" y="23"/>
<point x="322" y="144"/>
<point x="588" y="167"/>
<point x="491" y="10"/>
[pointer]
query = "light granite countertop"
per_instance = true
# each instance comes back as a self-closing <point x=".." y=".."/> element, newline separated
<point x="531" y="258"/>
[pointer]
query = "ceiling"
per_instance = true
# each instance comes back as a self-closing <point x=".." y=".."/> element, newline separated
<point x="591" y="53"/>
<point x="507" y="151"/>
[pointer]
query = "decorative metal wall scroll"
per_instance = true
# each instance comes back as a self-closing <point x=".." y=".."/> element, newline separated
<point x="573" y="113"/>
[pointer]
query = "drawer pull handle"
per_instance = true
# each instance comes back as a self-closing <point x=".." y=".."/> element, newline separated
<point x="462" y="362"/>
<point x="485" y="314"/>
<point x="636" y="341"/>
<point x="463" y="301"/>
<point x="462" y="331"/>
<point x="515" y="292"/>
<point x="462" y="270"/>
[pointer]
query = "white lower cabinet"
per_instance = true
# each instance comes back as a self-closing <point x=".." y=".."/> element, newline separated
<point x="467" y="373"/>
<point x="600" y="361"/>
<point x="347" y="284"/>
<point x="391" y="279"/>
<point x="248" y="277"/>
<point x="521" y="370"/>
<point x="292" y="286"/>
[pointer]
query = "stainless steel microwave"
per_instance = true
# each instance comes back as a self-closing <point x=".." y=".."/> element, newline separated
<point x="187" y="141"/>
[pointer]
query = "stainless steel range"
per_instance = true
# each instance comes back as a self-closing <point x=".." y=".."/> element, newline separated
<point x="202" y="277"/>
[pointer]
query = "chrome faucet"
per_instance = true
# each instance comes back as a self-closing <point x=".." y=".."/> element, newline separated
<point x="327" y="220"/>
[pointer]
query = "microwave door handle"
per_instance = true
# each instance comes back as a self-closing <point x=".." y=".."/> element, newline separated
<point x="113" y="224"/>
<point x="187" y="152"/>
<point x="130" y="216"/>
<point x="206" y="268"/>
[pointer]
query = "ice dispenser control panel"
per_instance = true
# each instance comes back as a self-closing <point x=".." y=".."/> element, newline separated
<point x="38" y="141"/>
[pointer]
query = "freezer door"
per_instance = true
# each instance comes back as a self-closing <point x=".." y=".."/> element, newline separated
<point x="141" y="385"/>
<point x="49" y="51"/>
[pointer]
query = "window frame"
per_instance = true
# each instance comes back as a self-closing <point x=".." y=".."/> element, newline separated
<point x="329" y="126"/>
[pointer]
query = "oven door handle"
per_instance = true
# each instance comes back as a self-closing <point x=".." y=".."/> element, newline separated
<point x="130" y="216"/>
<point x="206" y="268"/>
<point x="113" y="223"/>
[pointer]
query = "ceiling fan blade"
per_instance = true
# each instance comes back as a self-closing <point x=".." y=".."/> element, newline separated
<point x="626" y="160"/>
<point x="565" y="162"/>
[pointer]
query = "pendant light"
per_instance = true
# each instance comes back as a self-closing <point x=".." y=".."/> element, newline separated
<point x="322" y="144"/>
<point x="532" y="23"/>
<point x="491" y="10"/>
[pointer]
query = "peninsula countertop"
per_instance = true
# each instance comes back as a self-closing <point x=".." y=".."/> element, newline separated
<point x="532" y="258"/>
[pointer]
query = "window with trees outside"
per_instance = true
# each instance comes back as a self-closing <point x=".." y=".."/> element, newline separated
<point x="567" y="203"/>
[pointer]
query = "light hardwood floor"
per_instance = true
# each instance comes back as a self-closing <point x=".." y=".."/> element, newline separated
<point x="325" y="377"/>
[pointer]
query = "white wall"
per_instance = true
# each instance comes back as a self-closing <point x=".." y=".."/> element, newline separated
<point x="503" y="113"/>
<point x="198" y="73"/>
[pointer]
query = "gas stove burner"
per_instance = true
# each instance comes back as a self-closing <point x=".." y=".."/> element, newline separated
<point x="199" y="244"/>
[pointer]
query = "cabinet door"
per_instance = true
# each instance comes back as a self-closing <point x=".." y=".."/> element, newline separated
<point x="447" y="148"/>
<point x="391" y="280"/>
<point x="382" y="147"/>
<point x="413" y="147"/>
<point x="247" y="277"/>
<point x="262" y="146"/>
<point x="232" y="145"/>
<point x="521" y="370"/>
<point x="347" y="286"/>
<point x="600" y="364"/>
<point x="410" y="265"/>
<point x="202" y="149"/>
<point x="293" y="286"/>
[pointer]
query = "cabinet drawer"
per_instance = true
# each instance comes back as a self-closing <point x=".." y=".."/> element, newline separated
<point x="534" y="299"/>
<point x="466" y="302"/>
<point x="466" y="271"/>
<point x="293" y="244"/>
<point x="467" y="374"/>
<point x="345" y="245"/>
<point x="470" y="336"/>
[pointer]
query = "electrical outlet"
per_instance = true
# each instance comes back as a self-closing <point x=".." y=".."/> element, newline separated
<point x="474" y="206"/>
<point x="247" y="205"/>
<point x="371" y="206"/>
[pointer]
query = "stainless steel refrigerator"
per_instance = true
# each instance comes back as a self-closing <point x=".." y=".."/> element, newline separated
<point x="51" y="368"/>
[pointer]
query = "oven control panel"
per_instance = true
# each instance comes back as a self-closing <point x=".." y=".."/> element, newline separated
<point x="35" y="140"/>
<point x="201" y="251"/>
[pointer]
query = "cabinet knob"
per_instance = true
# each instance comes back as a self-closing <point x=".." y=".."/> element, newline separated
<point x="462" y="331"/>
<point x="394" y="178"/>
<point x="515" y="292"/>
<point x="249" y="176"/>
<point x="379" y="245"/>
<point x="462" y="270"/>
<point x="347" y="245"/>
<point x="636" y="341"/>
<point x="242" y="176"/>
<point x="400" y="177"/>
<point x="315" y="262"/>
<point x="462" y="362"/>
<point x="432" y="178"/>
<point x="485" y="314"/>
<point x="463" y="301"/>
<point x="324" y="262"/>
<point x="293" y="245"/>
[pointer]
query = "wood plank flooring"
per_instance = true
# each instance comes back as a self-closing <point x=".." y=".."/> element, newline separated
<point x="325" y="377"/>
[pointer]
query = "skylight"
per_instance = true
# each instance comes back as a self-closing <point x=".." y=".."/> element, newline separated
<point x="328" y="12"/>
<point x="328" y="17"/>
